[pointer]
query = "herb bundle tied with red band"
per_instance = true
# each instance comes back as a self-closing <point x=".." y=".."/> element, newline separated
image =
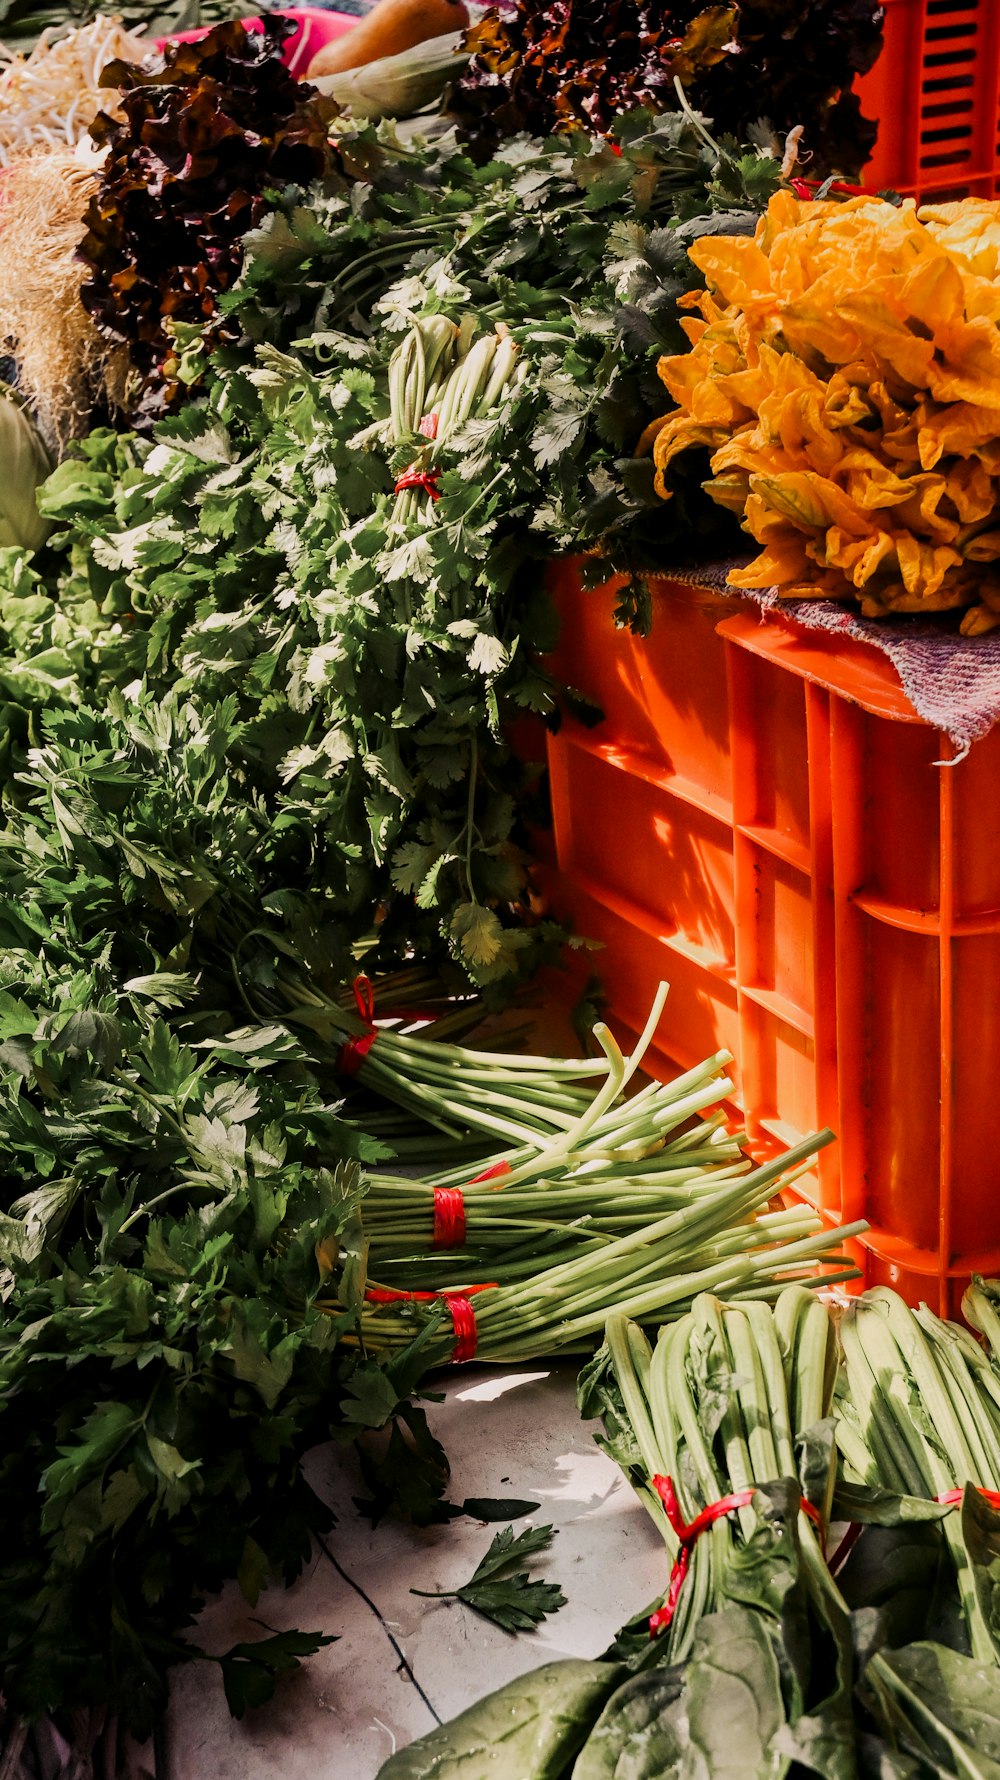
<point x="545" y="67"/>
<point x="207" y="129"/>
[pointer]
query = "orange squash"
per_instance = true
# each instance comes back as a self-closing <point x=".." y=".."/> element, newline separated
<point x="390" y="27"/>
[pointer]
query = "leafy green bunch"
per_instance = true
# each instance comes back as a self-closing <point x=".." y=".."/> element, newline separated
<point x="175" y="1190"/>
<point x="582" y="240"/>
<point x="177" y="1193"/>
<point x="198" y="1375"/>
<point x="243" y="564"/>
<point x="529" y="228"/>
<point x="766" y="1663"/>
<point x="254" y="563"/>
<point x="232" y="568"/>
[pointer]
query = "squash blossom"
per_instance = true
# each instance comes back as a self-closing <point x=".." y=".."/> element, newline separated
<point x="844" y="372"/>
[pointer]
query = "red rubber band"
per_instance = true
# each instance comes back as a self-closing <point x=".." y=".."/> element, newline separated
<point x="449" y="1207"/>
<point x="689" y="1532"/>
<point x="364" y="997"/>
<point x="806" y="189"/>
<point x="495" y="1172"/>
<point x="449" y="1217"/>
<point x="463" y="1317"/>
<point x="463" y="1321"/>
<point x="386" y="1295"/>
<point x="425" y="479"/>
<point x="429" y="425"/>
<point x="353" y="1052"/>
<point x="953" y="1498"/>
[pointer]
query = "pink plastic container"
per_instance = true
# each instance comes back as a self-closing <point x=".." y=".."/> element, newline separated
<point x="314" y="29"/>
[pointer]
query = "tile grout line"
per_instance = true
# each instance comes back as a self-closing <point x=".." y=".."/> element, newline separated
<point x="397" y="1647"/>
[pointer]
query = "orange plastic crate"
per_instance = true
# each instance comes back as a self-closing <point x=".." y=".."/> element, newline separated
<point x="935" y="91"/>
<point x="762" y="820"/>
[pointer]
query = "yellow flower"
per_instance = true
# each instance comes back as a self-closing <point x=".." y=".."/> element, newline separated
<point x="844" y="371"/>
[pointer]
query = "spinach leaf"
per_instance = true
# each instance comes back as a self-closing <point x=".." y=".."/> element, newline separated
<point x="981" y="1538"/>
<point x="734" y="1701"/>
<point x="529" y="1730"/>
<point x="938" y="1706"/>
<point x="640" y="1734"/>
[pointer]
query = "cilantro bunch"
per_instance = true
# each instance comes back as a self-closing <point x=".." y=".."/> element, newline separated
<point x="364" y="744"/>
<point x="580" y="242"/>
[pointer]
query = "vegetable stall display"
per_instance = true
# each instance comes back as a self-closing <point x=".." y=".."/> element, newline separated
<point x="370" y="596"/>
<point x="338" y="392"/>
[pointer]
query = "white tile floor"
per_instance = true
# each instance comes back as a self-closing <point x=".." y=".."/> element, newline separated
<point x="338" y="1718"/>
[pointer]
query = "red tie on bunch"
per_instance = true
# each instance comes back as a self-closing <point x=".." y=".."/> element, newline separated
<point x="353" y="1051"/>
<point x="953" y="1498"/>
<point x="807" y="188"/>
<point x="689" y="1532"/>
<point x="425" y="479"/>
<point x="449" y="1207"/>
<point x="460" y="1309"/>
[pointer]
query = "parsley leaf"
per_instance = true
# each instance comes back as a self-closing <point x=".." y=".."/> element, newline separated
<point x="498" y="1592"/>
<point x="250" y="1672"/>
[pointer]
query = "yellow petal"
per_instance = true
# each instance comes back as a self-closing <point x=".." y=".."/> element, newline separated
<point x="736" y="267"/>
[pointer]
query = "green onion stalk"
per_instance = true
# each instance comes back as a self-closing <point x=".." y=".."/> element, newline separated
<point x="727" y="1240"/>
<point x="443" y="376"/>
<point x="720" y="1406"/>
<point x="509" y="1099"/>
<point x="389" y="1044"/>
<point x="612" y="1169"/>
<point x="919" y="1415"/>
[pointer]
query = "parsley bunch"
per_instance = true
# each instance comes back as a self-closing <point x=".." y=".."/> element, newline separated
<point x="171" y="1204"/>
